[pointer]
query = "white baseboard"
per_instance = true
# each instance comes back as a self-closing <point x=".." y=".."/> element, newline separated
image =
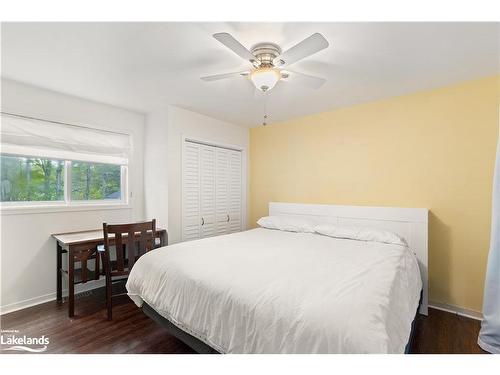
<point x="27" y="303"/>
<point x="49" y="297"/>
<point x="456" y="310"/>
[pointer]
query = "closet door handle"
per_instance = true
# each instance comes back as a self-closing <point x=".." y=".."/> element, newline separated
<point x="227" y="218"/>
<point x="202" y="221"/>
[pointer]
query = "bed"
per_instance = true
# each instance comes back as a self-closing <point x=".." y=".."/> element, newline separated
<point x="274" y="291"/>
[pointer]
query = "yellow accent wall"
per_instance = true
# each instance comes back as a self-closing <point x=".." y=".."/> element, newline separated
<point x="432" y="149"/>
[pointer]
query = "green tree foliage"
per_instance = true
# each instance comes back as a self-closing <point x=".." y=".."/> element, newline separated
<point x="32" y="179"/>
<point x="91" y="181"/>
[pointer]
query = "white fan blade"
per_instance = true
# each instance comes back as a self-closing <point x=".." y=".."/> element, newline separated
<point x="307" y="47"/>
<point x="230" y="42"/>
<point x="305" y="79"/>
<point x="216" y="77"/>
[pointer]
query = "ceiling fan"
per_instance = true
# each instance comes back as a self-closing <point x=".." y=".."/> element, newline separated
<point x="268" y="61"/>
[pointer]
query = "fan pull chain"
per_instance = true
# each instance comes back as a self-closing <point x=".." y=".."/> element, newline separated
<point x="264" y="120"/>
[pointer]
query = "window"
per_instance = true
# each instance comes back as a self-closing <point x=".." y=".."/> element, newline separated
<point x="53" y="163"/>
<point x="90" y="181"/>
<point x="29" y="179"/>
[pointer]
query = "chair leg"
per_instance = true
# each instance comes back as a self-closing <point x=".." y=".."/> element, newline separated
<point x="109" y="285"/>
<point x="109" y="303"/>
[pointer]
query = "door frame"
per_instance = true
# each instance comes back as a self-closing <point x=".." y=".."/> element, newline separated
<point x="244" y="174"/>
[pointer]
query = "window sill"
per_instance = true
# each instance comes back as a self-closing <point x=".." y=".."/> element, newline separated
<point x="54" y="208"/>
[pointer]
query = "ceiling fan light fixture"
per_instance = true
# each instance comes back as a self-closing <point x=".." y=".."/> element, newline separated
<point x="265" y="79"/>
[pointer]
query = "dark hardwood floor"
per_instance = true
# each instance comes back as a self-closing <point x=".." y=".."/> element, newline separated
<point x="133" y="332"/>
<point x="89" y="331"/>
<point x="445" y="333"/>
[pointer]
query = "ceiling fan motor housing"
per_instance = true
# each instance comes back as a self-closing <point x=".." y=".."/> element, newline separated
<point x="266" y="53"/>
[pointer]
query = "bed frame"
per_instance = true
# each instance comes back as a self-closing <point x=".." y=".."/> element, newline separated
<point x="201" y="348"/>
<point x="409" y="223"/>
<point x="194" y="343"/>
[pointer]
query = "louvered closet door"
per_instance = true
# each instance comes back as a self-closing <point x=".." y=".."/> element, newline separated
<point x="235" y="182"/>
<point x="191" y="226"/>
<point x="222" y="188"/>
<point x="207" y="190"/>
<point x="212" y="191"/>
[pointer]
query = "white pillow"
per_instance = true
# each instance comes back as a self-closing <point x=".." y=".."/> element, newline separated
<point x="287" y="223"/>
<point x="360" y="233"/>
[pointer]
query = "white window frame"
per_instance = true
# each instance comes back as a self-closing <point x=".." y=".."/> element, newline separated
<point x="68" y="204"/>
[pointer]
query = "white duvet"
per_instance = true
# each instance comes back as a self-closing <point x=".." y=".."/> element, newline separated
<point x="270" y="291"/>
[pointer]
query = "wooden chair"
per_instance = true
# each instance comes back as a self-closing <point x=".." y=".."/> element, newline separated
<point x="130" y="242"/>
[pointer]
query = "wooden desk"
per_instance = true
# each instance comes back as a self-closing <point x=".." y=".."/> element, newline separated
<point x="81" y="247"/>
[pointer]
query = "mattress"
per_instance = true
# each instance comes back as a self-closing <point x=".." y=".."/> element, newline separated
<point x="271" y="291"/>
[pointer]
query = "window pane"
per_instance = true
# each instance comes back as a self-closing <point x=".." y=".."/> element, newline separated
<point x="26" y="179"/>
<point x="90" y="181"/>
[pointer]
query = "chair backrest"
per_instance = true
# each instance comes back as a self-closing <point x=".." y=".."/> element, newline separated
<point x="131" y="241"/>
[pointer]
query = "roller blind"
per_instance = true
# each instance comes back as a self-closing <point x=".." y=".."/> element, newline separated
<point x="40" y="138"/>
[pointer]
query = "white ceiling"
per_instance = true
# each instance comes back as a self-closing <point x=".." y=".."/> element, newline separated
<point x="145" y="66"/>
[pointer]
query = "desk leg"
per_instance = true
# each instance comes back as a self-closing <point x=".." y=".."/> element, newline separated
<point x="71" y="282"/>
<point x="58" y="272"/>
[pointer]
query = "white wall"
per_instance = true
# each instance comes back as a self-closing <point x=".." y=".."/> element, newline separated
<point x="155" y="167"/>
<point x="182" y="123"/>
<point x="28" y="253"/>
